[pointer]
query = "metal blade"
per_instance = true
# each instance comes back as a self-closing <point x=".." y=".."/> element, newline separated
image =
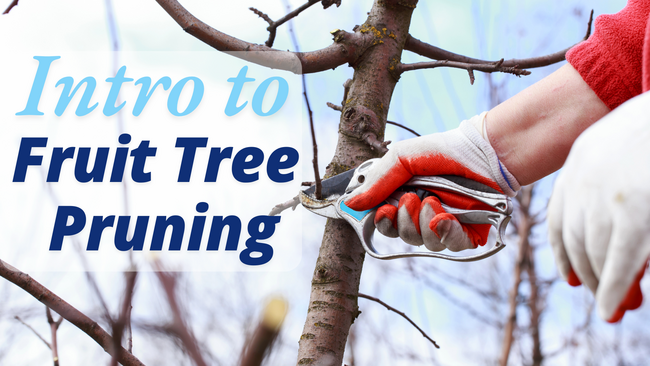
<point x="332" y="187"/>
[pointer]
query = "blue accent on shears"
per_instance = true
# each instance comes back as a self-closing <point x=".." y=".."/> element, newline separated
<point x="358" y="215"/>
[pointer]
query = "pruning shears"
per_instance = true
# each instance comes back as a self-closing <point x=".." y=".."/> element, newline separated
<point x="337" y="189"/>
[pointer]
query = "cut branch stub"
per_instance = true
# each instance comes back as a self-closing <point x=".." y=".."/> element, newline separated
<point x="362" y="124"/>
<point x="328" y="3"/>
<point x="314" y="61"/>
<point x="351" y="45"/>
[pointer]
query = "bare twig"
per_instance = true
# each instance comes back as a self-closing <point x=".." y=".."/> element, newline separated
<point x="310" y="62"/>
<point x="68" y="312"/>
<point x="54" y="327"/>
<point x="273" y="26"/>
<point x="34" y="331"/>
<point x="372" y="140"/>
<point x="489" y="68"/>
<point x="292" y="203"/>
<point x="123" y="320"/>
<point x="404" y="127"/>
<point x="317" y="191"/>
<point x="11" y="6"/>
<point x="335" y="107"/>
<point x="522" y="263"/>
<point x="436" y="53"/>
<point x="178" y="326"/>
<point x="401" y="314"/>
<point x="265" y="334"/>
<point x="339" y="108"/>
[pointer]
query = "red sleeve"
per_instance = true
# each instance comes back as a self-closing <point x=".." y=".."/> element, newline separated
<point x="646" y="58"/>
<point x="610" y="61"/>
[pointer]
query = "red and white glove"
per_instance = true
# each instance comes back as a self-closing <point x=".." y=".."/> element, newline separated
<point x="599" y="214"/>
<point x="459" y="152"/>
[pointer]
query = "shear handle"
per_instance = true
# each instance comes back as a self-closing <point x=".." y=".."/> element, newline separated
<point x="498" y="201"/>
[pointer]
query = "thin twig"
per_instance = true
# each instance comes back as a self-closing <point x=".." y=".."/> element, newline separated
<point x="273" y="26"/>
<point x="68" y="312"/>
<point x="404" y="127"/>
<point x="54" y="327"/>
<point x="335" y="107"/>
<point x="489" y="68"/>
<point x="317" y="191"/>
<point x="123" y="321"/>
<point x="34" y="331"/>
<point x="314" y="61"/>
<point x="339" y="108"/>
<point x="372" y="140"/>
<point x="292" y="203"/>
<point x="400" y="313"/>
<point x="178" y="326"/>
<point x="11" y="6"/>
<point x="436" y="53"/>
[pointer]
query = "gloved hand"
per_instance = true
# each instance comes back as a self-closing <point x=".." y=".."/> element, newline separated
<point x="599" y="214"/>
<point x="459" y="152"/>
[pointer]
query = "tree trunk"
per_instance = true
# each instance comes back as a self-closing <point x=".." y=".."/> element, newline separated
<point x="524" y="226"/>
<point x="335" y="284"/>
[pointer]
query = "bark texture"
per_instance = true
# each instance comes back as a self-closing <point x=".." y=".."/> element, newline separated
<point x="335" y="284"/>
<point x="525" y="264"/>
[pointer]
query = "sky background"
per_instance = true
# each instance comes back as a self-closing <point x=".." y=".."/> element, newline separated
<point x="224" y="305"/>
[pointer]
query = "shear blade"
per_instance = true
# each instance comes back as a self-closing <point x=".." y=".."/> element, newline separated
<point x="320" y="207"/>
<point x="331" y="187"/>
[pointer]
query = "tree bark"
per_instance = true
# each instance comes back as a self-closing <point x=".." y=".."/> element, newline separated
<point x="524" y="225"/>
<point x="335" y="283"/>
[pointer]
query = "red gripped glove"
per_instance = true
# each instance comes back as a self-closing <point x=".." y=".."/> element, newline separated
<point x="459" y="152"/>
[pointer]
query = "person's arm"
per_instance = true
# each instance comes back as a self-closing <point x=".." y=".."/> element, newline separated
<point x="533" y="131"/>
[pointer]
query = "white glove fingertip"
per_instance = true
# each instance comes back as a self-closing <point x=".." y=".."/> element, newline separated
<point x="406" y="228"/>
<point x="554" y="219"/>
<point x="385" y="227"/>
<point x="453" y="236"/>
<point x="621" y="268"/>
<point x="431" y="240"/>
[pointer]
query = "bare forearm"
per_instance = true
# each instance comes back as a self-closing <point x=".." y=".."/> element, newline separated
<point x="533" y="131"/>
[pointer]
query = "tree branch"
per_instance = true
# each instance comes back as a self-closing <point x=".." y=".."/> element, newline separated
<point x="488" y="68"/>
<point x="436" y="53"/>
<point x="123" y="320"/>
<point x="344" y="50"/>
<point x="401" y="314"/>
<point x="34" y="331"/>
<point x="314" y="161"/>
<point x="292" y="203"/>
<point x="67" y="311"/>
<point x="340" y="109"/>
<point x="265" y="334"/>
<point x="273" y="26"/>
<point x="178" y="326"/>
<point x="404" y="127"/>
<point x="11" y="6"/>
<point x="54" y="327"/>
<point x="524" y="228"/>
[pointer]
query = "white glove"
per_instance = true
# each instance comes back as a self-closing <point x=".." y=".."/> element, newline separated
<point x="460" y="152"/>
<point x="599" y="214"/>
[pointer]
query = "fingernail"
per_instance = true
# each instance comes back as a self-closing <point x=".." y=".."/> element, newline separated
<point x="573" y="279"/>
